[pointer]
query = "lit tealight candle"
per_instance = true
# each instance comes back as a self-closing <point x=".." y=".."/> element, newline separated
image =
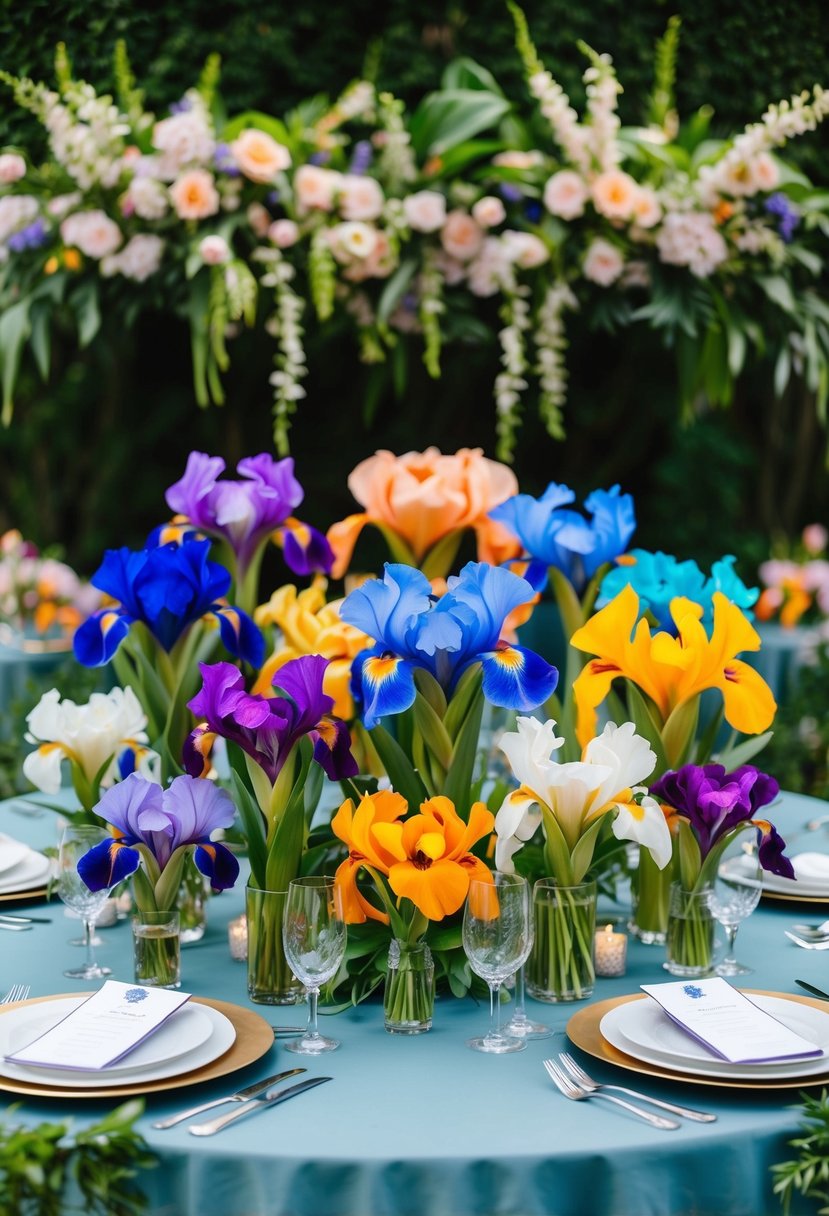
<point x="237" y="936"/>
<point x="610" y="951"/>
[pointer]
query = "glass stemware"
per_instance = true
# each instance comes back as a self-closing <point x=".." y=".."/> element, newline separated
<point x="73" y="891"/>
<point x="519" y="1025"/>
<point x="313" y="933"/>
<point x="497" y="937"/>
<point x="734" y="896"/>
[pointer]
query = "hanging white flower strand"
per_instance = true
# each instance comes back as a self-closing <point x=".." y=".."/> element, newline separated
<point x="550" y="345"/>
<point x="284" y="325"/>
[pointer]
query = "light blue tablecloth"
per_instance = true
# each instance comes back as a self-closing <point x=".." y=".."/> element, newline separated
<point x="424" y="1127"/>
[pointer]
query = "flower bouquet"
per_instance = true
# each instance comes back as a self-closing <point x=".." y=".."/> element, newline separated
<point x="707" y="808"/>
<point x="420" y="867"/>
<point x="42" y="600"/>
<point x="573" y="803"/>
<point x="279" y="747"/>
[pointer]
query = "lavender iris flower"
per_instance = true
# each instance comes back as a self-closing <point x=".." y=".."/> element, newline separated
<point x="716" y="802"/>
<point x="787" y="214"/>
<point x="361" y="157"/>
<point x="246" y="512"/>
<point x="510" y="192"/>
<point x="224" y="162"/>
<point x="267" y="728"/>
<point x="160" y="822"/>
<point x="31" y="237"/>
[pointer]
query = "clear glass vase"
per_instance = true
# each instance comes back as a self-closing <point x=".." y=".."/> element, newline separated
<point x="690" y="936"/>
<point x="650" y="890"/>
<point x="193" y="895"/>
<point x="270" y="979"/>
<point x="560" y="966"/>
<point x="409" y="997"/>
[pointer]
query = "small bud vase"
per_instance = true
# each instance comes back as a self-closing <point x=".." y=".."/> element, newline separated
<point x="690" y="939"/>
<point x="560" y="966"/>
<point x="409" y="997"/>
<point x="270" y="979"/>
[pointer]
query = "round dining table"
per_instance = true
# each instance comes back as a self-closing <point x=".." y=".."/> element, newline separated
<point x="422" y="1125"/>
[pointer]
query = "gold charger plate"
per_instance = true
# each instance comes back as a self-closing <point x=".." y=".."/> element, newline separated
<point x="794" y="899"/>
<point x="23" y="896"/>
<point x="254" y="1036"/>
<point x="583" y="1030"/>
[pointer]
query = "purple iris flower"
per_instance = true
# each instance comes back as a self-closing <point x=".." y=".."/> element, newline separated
<point x="182" y="106"/>
<point x="246" y="512"/>
<point x="223" y="161"/>
<point x="161" y="821"/>
<point x="267" y="728"/>
<point x="554" y="535"/>
<point x="510" y="192"/>
<point x="716" y="802"/>
<point x="167" y="588"/>
<point x="445" y="636"/>
<point x="319" y="158"/>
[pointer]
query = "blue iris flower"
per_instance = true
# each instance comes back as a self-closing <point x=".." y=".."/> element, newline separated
<point x="657" y="578"/>
<point x="554" y="535"/>
<point x="444" y="636"/>
<point x="167" y="588"/>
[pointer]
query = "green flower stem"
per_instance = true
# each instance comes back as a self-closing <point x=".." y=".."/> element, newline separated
<point x="270" y="979"/>
<point x="560" y="966"/>
<point x="409" y="997"/>
<point x="653" y="893"/>
<point x="690" y="941"/>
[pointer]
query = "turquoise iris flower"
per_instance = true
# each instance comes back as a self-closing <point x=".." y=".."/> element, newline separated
<point x="444" y="636"/>
<point x="657" y="578"/>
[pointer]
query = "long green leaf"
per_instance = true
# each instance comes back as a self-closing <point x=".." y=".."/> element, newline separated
<point x="646" y="725"/>
<point x="253" y="826"/>
<point x="679" y="731"/>
<point x="458" y="786"/>
<point x="464" y="696"/>
<point x="14" y="330"/>
<point x="582" y="856"/>
<point x="433" y="732"/>
<point x="398" y="767"/>
<point x="448" y="118"/>
<point x="438" y="561"/>
<point x="733" y="757"/>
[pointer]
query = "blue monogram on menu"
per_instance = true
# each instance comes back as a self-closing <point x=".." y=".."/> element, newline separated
<point x="133" y="995"/>
<point x="693" y="991"/>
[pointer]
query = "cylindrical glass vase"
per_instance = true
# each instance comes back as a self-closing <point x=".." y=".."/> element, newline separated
<point x="560" y="966"/>
<point x="650" y="890"/>
<point x="690" y="938"/>
<point x="270" y="979"/>
<point x="192" y="905"/>
<point x="156" y="949"/>
<point x="409" y="997"/>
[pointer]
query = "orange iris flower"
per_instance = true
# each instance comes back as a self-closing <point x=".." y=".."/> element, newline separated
<point x="426" y="858"/>
<point x="671" y="670"/>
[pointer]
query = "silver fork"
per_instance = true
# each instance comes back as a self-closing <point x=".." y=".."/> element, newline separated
<point x="17" y="992"/>
<point x="821" y="943"/>
<point x="581" y="1078"/>
<point x="570" y="1089"/>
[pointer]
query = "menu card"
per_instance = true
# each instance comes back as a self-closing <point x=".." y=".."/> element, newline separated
<point x="728" y="1023"/>
<point x="103" y="1029"/>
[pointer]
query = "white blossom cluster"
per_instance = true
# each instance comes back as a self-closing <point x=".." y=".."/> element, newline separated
<point x="603" y="90"/>
<point x="511" y="382"/>
<point x="550" y="345"/>
<point x="86" y="135"/>
<point x="285" y="325"/>
<point x="563" y="119"/>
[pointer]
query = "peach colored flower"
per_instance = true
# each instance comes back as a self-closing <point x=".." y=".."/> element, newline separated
<point x="314" y="188"/>
<point x="93" y="232"/>
<point x="514" y="159"/>
<point x="377" y="265"/>
<point x="565" y="195"/>
<point x="259" y="156"/>
<point x="646" y="209"/>
<point x="614" y="193"/>
<point x="194" y="195"/>
<point x="259" y="219"/>
<point x="525" y="249"/>
<point x="765" y="172"/>
<point x="421" y="498"/>
<point x="425" y="211"/>
<point x="360" y="198"/>
<point x="460" y="236"/>
<point x="603" y="263"/>
<point x="489" y="211"/>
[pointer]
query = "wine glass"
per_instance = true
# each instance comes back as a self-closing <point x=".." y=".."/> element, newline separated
<point x="734" y="896"/>
<point x="73" y="891"/>
<point x="497" y="937"/>
<point x="313" y="933"/>
<point x="519" y="1025"/>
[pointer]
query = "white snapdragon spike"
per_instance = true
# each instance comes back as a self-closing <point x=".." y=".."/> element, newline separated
<point x="87" y="734"/>
<point x="644" y="824"/>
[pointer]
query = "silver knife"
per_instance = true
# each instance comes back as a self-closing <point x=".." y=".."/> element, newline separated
<point x="12" y="927"/>
<point x="272" y="1098"/>
<point x="251" y="1092"/>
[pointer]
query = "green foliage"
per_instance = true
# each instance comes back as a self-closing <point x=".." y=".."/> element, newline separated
<point x="807" y="1173"/>
<point x="43" y="1167"/>
<point x="798" y="754"/>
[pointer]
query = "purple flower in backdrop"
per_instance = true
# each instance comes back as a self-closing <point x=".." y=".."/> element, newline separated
<point x="319" y="158"/>
<point x="787" y="214"/>
<point x="224" y="162"/>
<point x="533" y="211"/>
<point x="267" y="728"/>
<point x="157" y="822"/>
<point x="31" y="237"/>
<point x="716" y="802"/>
<point x="183" y="106"/>
<point x="510" y="192"/>
<point x="246" y="512"/>
<point x="361" y="157"/>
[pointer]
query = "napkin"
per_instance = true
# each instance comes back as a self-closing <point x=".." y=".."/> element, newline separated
<point x="811" y="866"/>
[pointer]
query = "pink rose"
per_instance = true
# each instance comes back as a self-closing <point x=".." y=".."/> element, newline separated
<point x="460" y="236"/>
<point x="283" y="233"/>
<point x="194" y="195"/>
<point x="614" y="193"/>
<point x="603" y="263"/>
<point x="259" y="156"/>
<point x="425" y="211"/>
<point x="214" y="250"/>
<point x="525" y="249"/>
<point x="815" y="539"/>
<point x="360" y="198"/>
<point x="565" y="195"/>
<point x="93" y="232"/>
<point x="489" y="211"/>
<point x="315" y="188"/>
<point x="12" y="168"/>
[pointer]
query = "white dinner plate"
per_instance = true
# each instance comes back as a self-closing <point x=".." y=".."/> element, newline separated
<point x="12" y="853"/>
<point x="809" y="888"/>
<point x="32" y="871"/>
<point x="220" y="1036"/>
<point x="643" y="1030"/>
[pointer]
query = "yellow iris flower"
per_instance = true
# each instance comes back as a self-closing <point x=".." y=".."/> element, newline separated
<point x="671" y="670"/>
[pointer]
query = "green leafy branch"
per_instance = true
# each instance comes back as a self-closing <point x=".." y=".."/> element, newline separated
<point x="807" y="1173"/>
